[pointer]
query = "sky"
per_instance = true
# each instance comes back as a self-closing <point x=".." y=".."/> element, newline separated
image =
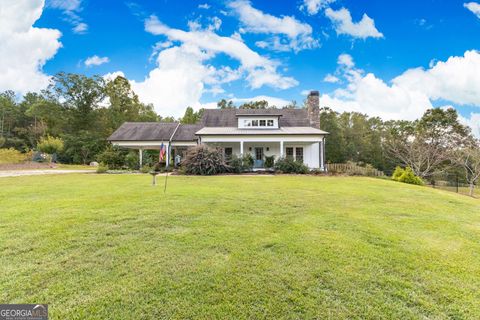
<point x="388" y="58"/>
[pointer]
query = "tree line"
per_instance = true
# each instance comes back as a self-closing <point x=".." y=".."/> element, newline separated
<point x="83" y="111"/>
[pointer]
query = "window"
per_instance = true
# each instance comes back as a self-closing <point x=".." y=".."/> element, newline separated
<point x="263" y="123"/>
<point x="247" y="123"/>
<point x="299" y="154"/>
<point x="269" y="123"/>
<point x="254" y="123"/>
<point x="289" y="153"/>
<point x="228" y="153"/>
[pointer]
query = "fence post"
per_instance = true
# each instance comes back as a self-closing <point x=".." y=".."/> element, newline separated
<point x="457" y="181"/>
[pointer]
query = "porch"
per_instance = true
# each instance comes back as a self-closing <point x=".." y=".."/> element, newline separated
<point x="307" y="152"/>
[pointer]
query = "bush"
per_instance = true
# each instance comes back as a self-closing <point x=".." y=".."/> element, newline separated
<point x="102" y="168"/>
<point x="146" y="169"/>
<point x="132" y="160"/>
<point x="50" y="145"/>
<point x="397" y="173"/>
<point x="407" y="176"/>
<point x="269" y="162"/>
<point x="240" y="164"/>
<point x="290" y="166"/>
<point x="203" y="160"/>
<point x="113" y="157"/>
<point x="10" y="156"/>
<point x="2" y="141"/>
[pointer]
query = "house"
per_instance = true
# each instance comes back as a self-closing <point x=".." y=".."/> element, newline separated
<point x="291" y="133"/>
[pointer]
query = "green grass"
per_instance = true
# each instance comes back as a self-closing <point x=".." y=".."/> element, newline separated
<point x="235" y="247"/>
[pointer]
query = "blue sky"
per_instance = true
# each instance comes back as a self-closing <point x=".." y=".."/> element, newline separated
<point x="361" y="55"/>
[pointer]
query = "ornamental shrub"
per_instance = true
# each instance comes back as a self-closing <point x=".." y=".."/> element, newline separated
<point x="269" y="162"/>
<point x="287" y="165"/>
<point x="397" y="173"/>
<point x="102" y="168"/>
<point x="113" y="157"/>
<point x="407" y="176"/>
<point x="50" y="145"/>
<point x="205" y="161"/>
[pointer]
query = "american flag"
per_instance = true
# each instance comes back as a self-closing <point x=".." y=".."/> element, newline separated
<point x="162" y="152"/>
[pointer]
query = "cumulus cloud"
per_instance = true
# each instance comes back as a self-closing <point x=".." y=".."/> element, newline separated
<point x="313" y="6"/>
<point x="474" y="7"/>
<point x="473" y="121"/>
<point x="343" y="23"/>
<point x="24" y="49"/>
<point x="96" y="61"/>
<point x="204" y="6"/>
<point x="330" y="78"/>
<point x="71" y="10"/>
<point x="289" y="33"/>
<point x="411" y="93"/>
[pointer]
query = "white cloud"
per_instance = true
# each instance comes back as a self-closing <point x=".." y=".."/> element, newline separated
<point x="345" y="60"/>
<point x="456" y="80"/>
<point x="343" y="23"/>
<point x="330" y="78"/>
<point x="313" y="6"/>
<point x="71" y="9"/>
<point x="204" y="6"/>
<point x="473" y="122"/>
<point x="24" y="49"/>
<point x="295" y="34"/>
<point x="411" y="93"/>
<point x="113" y="75"/>
<point x="474" y="7"/>
<point x="260" y="70"/>
<point x="96" y="61"/>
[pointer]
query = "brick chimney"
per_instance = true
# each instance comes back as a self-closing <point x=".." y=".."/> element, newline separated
<point x="313" y="109"/>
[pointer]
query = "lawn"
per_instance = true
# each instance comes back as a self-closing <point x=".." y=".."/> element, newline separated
<point x="237" y="247"/>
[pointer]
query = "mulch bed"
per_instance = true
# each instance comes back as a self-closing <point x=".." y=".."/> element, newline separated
<point x="27" y="166"/>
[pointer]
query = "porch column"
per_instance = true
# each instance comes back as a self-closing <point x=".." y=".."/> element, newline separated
<point x="281" y="149"/>
<point x="241" y="148"/>
<point x="140" y="157"/>
<point x="320" y="149"/>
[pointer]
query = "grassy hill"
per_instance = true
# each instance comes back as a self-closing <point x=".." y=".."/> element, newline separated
<point x="283" y="247"/>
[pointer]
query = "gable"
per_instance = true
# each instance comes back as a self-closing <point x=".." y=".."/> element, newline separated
<point x="228" y="117"/>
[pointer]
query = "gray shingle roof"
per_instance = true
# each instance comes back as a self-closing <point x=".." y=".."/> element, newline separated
<point x="163" y="131"/>
<point x="186" y="132"/>
<point x="144" y="131"/>
<point x="228" y="117"/>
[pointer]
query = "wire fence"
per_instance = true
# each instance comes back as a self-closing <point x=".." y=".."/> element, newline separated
<point x="451" y="182"/>
<point x="353" y="169"/>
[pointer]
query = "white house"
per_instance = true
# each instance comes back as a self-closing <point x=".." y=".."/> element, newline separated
<point x="292" y="133"/>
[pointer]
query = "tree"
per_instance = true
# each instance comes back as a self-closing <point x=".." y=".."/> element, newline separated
<point x="224" y="104"/>
<point x="425" y="145"/>
<point x="262" y="104"/>
<point x="50" y="145"/>
<point x="81" y="95"/>
<point x="191" y="117"/>
<point x="468" y="158"/>
<point x="125" y="104"/>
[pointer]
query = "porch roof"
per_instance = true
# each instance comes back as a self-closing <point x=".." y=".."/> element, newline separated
<point x="281" y="131"/>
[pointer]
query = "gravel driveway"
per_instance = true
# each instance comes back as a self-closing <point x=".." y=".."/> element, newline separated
<point x="17" y="173"/>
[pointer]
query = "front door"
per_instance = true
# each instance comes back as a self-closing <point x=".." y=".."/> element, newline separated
<point x="258" y="157"/>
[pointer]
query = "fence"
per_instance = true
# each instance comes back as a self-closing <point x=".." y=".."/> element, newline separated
<point x="353" y="169"/>
<point x="451" y="182"/>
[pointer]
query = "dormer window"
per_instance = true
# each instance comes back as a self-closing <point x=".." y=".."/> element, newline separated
<point x="262" y="122"/>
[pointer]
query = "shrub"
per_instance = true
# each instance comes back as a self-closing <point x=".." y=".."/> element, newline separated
<point x="102" y="168"/>
<point x="113" y="157"/>
<point x="240" y="164"/>
<point x="50" y="145"/>
<point x="9" y="156"/>
<point x="286" y="165"/>
<point x="406" y="176"/>
<point x="269" y="162"/>
<point x="248" y="160"/>
<point x="146" y="169"/>
<point x="203" y="160"/>
<point x="397" y="173"/>
<point x="132" y="160"/>
<point x="2" y="141"/>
